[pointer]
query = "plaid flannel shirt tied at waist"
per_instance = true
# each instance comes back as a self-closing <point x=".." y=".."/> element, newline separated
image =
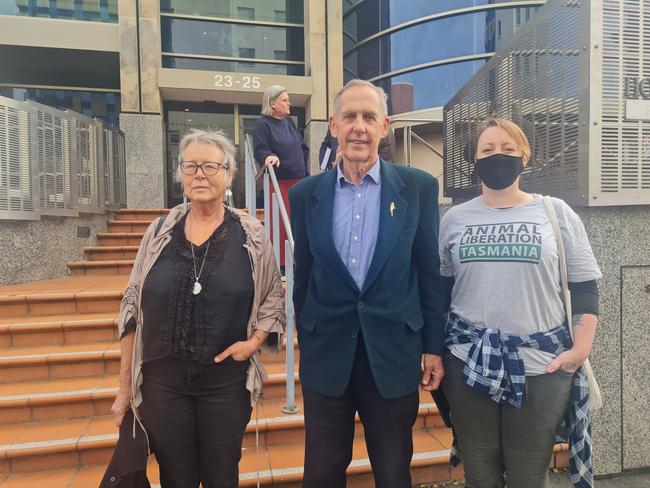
<point x="494" y="367"/>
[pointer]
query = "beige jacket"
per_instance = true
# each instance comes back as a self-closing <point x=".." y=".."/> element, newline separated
<point x="267" y="312"/>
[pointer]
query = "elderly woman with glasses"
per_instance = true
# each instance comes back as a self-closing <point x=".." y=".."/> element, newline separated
<point x="204" y="296"/>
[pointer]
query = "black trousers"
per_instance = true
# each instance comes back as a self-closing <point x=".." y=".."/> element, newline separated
<point x="329" y="431"/>
<point x="195" y="415"/>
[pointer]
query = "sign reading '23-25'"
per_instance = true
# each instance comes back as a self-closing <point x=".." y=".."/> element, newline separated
<point x="245" y="82"/>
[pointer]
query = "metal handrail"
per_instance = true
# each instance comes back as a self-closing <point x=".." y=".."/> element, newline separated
<point x="250" y="171"/>
<point x="278" y="210"/>
<point x="290" y="406"/>
<point x="276" y="188"/>
<point x="281" y="207"/>
<point x="433" y="149"/>
<point x="412" y="119"/>
<point x="409" y="135"/>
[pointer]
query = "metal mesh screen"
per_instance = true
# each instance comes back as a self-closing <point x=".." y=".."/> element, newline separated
<point x="625" y="144"/>
<point x="89" y="165"/>
<point x="114" y="167"/>
<point x="534" y="82"/>
<point x="119" y="170"/>
<point x="108" y="142"/>
<point x="53" y="158"/>
<point x="18" y="198"/>
<point x="57" y="163"/>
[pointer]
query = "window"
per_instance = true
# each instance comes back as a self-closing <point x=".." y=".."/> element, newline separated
<point x="104" y="105"/>
<point x="185" y="36"/>
<point x="261" y="10"/>
<point x="93" y="10"/>
<point x="233" y="66"/>
<point x="246" y="52"/>
<point x="238" y="45"/>
<point x="246" y="13"/>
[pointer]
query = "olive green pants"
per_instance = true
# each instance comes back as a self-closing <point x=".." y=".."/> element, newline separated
<point x="501" y="441"/>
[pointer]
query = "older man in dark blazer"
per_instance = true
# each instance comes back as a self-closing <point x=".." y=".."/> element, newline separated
<point x="368" y="297"/>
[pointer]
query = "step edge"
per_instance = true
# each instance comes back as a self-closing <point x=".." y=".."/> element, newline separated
<point x="106" y="235"/>
<point x="57" y="358"/>
<point x="32" y="298"/>
<point x="55" y="446"/>
<point x="99" y="249"/>
<point x="100" y="264"/>
<point x="356" y="467"/>
<point x="129" y="222"/>
<point x="34" y="327"/>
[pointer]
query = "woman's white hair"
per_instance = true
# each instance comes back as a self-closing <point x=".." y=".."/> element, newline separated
<point x="218" y="139"/>
<point x="271" y="94"/>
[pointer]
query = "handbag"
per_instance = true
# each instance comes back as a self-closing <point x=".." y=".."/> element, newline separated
<point x="128" y="466"/>
<point x="595" y="397"/>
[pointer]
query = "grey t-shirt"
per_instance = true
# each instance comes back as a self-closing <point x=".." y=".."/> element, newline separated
<point x="506" y="269"/>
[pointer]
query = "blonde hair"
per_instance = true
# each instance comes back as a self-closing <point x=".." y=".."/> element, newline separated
<point x="512" y="129"/>
<point x="271" y="94"/>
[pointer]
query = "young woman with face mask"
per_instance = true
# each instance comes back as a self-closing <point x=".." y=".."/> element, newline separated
<point x="510" y="365"/>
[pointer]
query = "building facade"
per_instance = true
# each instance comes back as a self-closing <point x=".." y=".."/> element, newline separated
<point x="422" y="52"/>
<point x="157" y="68"/>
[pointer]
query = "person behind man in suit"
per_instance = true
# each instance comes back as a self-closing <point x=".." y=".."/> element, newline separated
<point x="368" y="296"/>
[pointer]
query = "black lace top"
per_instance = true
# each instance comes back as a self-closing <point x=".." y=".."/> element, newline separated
<point x="198" y="327"/>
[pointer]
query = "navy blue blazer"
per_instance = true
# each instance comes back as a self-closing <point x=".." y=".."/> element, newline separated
<point x="399" y="310"/>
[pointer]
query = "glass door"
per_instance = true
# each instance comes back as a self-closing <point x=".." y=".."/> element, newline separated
<point x="246" y="115"/>
<point x="181" y="118"/>
<point x="236" y="121"/>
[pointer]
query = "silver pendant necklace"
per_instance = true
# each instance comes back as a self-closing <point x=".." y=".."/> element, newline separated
<point x="196" y="289"/>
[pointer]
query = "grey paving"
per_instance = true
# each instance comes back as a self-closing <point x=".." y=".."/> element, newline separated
<point x="561" y="480"/>
<point x="639" y="480"/>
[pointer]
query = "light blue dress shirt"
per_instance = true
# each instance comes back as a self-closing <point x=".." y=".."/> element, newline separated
<point x="356" y="221"/>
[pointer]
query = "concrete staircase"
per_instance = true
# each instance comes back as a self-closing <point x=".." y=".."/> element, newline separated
<point x="59" y="363"/>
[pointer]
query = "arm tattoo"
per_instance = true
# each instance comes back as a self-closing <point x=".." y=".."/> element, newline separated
<point x="570" y="366"/>
<point x="577" y="319"/>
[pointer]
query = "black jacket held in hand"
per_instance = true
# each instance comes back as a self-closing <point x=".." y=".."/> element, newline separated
<point x="128" y="466"/>
<point x="398" y="311"/>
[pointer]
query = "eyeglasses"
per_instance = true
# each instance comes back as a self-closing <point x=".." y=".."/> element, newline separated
<point x="209" y="169"/>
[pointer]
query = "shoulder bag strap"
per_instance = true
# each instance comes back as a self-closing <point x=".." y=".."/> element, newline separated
<point x="159" y="224"/>
<point x="564" y="280"/>
<point x="595" y="397"/>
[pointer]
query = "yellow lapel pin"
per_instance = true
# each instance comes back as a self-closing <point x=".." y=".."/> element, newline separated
<point x="392" y="208"/>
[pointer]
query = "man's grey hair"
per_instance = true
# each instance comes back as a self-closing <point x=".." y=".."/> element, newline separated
<point x="381" y="94"/>
<point x="271" y="94"/>
<point x="218" y="139"/>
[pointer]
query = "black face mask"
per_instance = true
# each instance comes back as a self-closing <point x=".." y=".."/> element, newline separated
<point x="499" y="171"/>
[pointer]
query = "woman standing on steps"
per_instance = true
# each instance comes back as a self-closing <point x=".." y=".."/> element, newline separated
<point x="513" y="374"/>
<point x="203" y="297"/>
<point x="277" y="142"/>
